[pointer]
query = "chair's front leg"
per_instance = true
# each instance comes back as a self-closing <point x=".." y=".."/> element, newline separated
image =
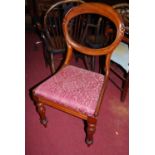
<point x="90" y="130"/>
<point x="41" y="110"/>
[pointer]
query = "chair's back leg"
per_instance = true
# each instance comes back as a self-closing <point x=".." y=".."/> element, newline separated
<point x="125" y="87"/>
<point x="52" y="66"/>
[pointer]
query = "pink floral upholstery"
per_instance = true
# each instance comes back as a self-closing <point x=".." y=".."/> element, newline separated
<point x="73" y="87"/>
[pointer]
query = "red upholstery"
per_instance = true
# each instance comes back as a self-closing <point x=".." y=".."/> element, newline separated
<point x="73" y="87"/>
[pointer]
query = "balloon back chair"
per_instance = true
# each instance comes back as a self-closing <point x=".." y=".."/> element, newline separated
<point x="52" y="34"/>
<point x="74" y="90"/>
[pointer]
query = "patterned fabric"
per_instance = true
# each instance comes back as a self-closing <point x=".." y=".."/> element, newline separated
<point x="73" y="87"/>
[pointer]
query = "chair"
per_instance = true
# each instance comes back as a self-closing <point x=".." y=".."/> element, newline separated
<point x="51" y="32"/>
<point x="93" y="39"/>
<point x="73" y="90"/>
<point x="120" y="55"/>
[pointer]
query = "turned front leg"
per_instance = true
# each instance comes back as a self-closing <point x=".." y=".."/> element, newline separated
<point x="41" y="110"/>
<point x="90" y="130"/>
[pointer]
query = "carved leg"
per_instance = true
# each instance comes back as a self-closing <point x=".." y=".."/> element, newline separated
<point x="41" y="110"/>
<point x="90" y="130"/>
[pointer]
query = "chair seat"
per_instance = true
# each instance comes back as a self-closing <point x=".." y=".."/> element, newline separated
<point x="73" y="87"/>
<point x="121" y="56"/>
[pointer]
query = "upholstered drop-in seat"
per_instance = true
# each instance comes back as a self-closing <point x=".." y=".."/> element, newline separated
<point x="73" y="87"/>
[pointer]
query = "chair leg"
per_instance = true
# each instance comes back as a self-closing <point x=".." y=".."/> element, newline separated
<point x="76" y="56"/>
<point x="101" y="64"/>
<point x="86" y="62"/>
<point x="52" y="66"/>
<point x="41" y="110"/>
<point x="93" y="61"/>
<point x="90" y="130"/>
<point x="125" y="87"/>
<point x="89" y="62"/>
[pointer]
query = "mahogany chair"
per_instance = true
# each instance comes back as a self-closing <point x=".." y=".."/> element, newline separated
<point x="73" y="90"/>
<point x="52" y="34"/>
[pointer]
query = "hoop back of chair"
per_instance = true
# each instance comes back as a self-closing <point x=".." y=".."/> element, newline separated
<point x="93" y="8"/>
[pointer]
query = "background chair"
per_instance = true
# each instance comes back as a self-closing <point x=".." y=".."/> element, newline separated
<point x="120" y="55"/>
<point x="74" y="90"/>
<point x="51" y="32"/>
<point x="93" y="39"/>
<point x="99" y="33"/>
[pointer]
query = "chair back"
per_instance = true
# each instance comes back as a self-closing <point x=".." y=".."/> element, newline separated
<point x="93" y="8"/>
<point x="107" y="12"/>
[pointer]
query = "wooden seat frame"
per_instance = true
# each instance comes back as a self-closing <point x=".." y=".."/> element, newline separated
<point x="85" y="8"/>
